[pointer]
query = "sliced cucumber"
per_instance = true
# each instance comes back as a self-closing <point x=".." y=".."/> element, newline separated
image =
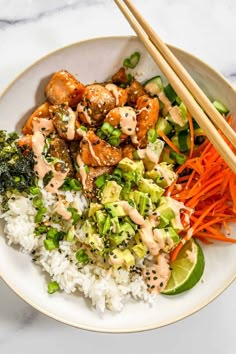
<point x="154" y="86"/>
<point x="220" y="107"/>
<point x="164" y="126"/>
<point x="170" y="93"/>
<point x="184" y="140"/>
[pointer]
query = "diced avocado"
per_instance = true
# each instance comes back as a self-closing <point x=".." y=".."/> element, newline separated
<point x="163" y="221"/>
<point x="115" y="209"/>
<point x="125" y="232"/>
<point x="88" y="228"/>
<point x="101" y="218"/>
<point x="127" y="228"/>
<point x="115" y="225"/>
<point x="166" y="157"/>
<point x="142" y="202"/>
<point x="167" y="204"/>
<point x="95" y="242"/>
<point x="148" y="186"/>
<point x="140" y="250"/>
<point x="116" y="257"/>
<point x="107" y="225"/>
<point x="132" y="170"/>
<point x="93" y="208"/>
<point x="166" y="211"/>
<point x="128" y="258"/>
<point x="128" y="220"/>
<point x="91" y="237"/>
<point x="162" y="174"/>
<point x="169" y="236"/>
<point x="111" y="192"/>
<point x="127" y="165"/>
<point x="164" y="126"/>
<point x="117" y="239"/>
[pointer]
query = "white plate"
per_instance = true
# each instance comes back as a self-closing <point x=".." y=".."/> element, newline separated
<point x="98" y="59"/>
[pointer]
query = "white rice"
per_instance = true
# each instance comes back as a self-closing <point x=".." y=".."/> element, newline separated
<point x="106" y="289"/>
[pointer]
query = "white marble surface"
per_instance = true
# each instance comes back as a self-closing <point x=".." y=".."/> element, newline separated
<point x="31" y="28"/>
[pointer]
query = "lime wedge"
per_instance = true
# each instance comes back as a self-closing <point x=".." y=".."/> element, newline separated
<point x="187" y="269"/>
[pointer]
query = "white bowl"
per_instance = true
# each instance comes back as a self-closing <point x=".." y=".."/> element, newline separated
<point x="91" y="60"/>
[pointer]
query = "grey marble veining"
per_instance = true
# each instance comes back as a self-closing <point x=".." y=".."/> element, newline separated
<point x="30" y="29"/>
<point x="34" y="11"/>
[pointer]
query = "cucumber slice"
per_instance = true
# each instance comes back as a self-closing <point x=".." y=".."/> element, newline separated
<point x="170" y="93"/>
<point x="154" y="86"/>
<point x="183" y="140"/>
<point x="164" y="126"/>
<point x="220" y="107"/>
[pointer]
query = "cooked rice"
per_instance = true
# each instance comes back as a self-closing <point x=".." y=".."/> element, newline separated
<point x="106" y="289"/>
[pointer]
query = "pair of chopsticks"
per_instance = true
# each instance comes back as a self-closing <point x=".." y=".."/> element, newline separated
<point x="186" y="88"/>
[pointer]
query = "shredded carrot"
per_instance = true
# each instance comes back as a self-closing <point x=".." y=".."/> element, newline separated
<point x="208" y="187"/>
<point x="190" y="121"/>
<point x="168" y="141"/>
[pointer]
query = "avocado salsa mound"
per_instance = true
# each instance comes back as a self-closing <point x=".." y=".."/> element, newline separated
<point x="95" y="189"/>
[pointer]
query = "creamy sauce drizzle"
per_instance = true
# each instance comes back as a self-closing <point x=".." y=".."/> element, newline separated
<point x="174" y="113"/>
<point x="149" y="154"/>
<point x="92" y="150"/>
<point x="82" y="171"/>
<point x="61" y="210"/>
<point x="84" y="110"/>
<point x="115" y="92"/>
<point x="71" y="125"/>
<point x="42" y="128"/>
<point x="128" y="122"/>
<point x="157" y="275"/>
<point x="166" y="102"/>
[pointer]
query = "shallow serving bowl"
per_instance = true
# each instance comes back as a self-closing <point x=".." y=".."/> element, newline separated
<point x="89" y="61"/>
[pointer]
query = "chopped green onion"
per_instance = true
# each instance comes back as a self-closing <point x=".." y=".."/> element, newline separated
<point x="129" y="176"/>
<point x="41" y="229"/>
<point x="37" y="202"/>
<point x="118" y="172"/>
<point x="74" y="214"/>
<point x="114" y="141"/>
<point x="100" y="134"/>
<point x="151" y="135"/>
<point x="107" y="128"/>
<point x="116" y="133"/>
<point x="125" y="193"/>
<point x="34" y="190"/>
<point x="136" y="155"/>
<point x="220" y="107"/>
<point x="129" y="79"/>
<point x="132" y="61"/>
<point x="17" y="179"/>
<point x="75" y="185"/>
<point x="82" y="256"/>
<point x="50" y="244"/>
<point x="40" y="214"/>
<point x="82" y="127"/>
<point x="52" y="233"/>
<point x="122" y="86"/>
<point x="53" y="286"/>
<point x="100" y="181"/>
<point x="179" y="158"/>
<point x="70" y="235"/>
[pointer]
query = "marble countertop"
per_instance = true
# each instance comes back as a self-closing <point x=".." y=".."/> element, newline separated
<point x="31" y="28"/>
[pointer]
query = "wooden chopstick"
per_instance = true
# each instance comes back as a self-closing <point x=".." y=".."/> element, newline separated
<point x="182" y="73"/>
<point x="182" y="91"/>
